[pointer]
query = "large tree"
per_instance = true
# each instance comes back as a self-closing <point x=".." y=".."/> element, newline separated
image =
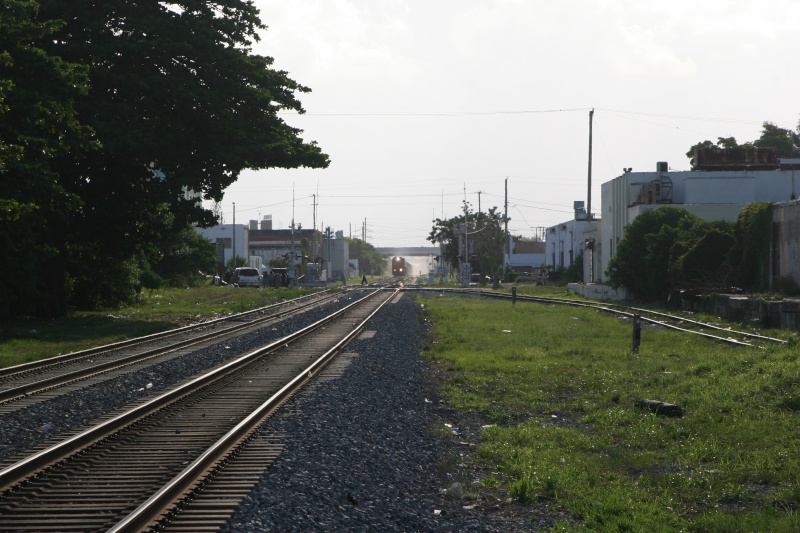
<point x="178" y="102"/>
<point x="651" y="244"/>
<point x="750" y="256"/>
<point x="668" y="248"/>
<point x="485" y="236"/>
<point x="38" y="125"/>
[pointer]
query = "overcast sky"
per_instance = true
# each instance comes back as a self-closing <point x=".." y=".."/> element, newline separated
<point x="418" y="101"/>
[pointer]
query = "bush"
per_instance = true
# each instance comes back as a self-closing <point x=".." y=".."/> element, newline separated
<point x="150" y="280"/>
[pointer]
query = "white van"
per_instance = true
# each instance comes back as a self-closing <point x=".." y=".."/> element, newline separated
<point x="246" y="276"/>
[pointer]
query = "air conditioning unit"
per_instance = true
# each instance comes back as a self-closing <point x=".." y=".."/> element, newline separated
<point x="662" y="166"/>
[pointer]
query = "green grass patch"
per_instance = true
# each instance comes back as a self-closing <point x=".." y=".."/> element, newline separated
<point x="561" y="383"/>
<point x="21" y="342"/>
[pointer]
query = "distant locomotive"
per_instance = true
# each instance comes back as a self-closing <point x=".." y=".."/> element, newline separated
<point x="399" y="266"/>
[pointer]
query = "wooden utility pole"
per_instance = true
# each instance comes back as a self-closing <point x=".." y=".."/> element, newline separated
<point x="507" y="244"/>
<point x="589" y="192"/>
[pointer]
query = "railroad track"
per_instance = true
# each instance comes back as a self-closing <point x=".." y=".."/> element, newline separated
<point x="149" y="465"/>
<point x="30" y="383"/>
<point x="656" y="318"/>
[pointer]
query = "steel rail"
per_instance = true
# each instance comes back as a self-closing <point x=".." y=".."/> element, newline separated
<point x="609" y="309"/>
<point x="658" y="313"/>
<point x="712" y="326"/>
<point x="64" y="358"/>
<point x="148" y="513"/>
<point x="19" y="471"/>
<point x="630" y="315"/>
<point x="99" y="368"/>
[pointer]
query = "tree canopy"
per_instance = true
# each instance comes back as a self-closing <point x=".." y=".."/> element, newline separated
<point x="111" y="112"/>
<point x="662" y="250"/>
<point x="669" y="248"/>
<point x="485" y="236"/>
<point x="370" y="260"/>
<point x="785" y="141"/>
<point x="38" y="124"/>
<point x="750" y="257"/>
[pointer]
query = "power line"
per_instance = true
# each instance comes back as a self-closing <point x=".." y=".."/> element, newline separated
<point x="431" y="113"/>
<point x="520" y="112"/>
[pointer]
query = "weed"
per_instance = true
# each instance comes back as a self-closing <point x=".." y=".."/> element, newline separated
<point x="562" y="388"/>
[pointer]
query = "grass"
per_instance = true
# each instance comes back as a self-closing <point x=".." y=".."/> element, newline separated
<point x="25" y="341"/>
<point x="560" y="384"/>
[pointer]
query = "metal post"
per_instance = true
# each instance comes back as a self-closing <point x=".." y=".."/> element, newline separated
<point x="513" y="295"/>
<point x="637" y="332"/>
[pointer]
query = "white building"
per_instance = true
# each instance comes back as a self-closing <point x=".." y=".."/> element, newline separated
<point x="226" y="237"/>
<point x="565" y="242"/>
<point x="525" y="256"/>
<point x="709" y="194"/>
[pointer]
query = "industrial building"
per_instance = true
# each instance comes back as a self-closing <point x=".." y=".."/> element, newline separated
<point x="525" y="257"/>
<point x="718" y="194"/>
<point x="565" y="242"/>
<point x="228" y="238"/>
<point x="259" y="243"/>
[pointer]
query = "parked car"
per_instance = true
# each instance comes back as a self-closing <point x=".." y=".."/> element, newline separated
<point x="246" y="276"/>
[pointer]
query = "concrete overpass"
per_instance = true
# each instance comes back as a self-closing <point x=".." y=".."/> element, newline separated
<point x="409" y="251"/>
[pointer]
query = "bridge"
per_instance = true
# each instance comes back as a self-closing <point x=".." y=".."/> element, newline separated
<point x="409" y="251"/>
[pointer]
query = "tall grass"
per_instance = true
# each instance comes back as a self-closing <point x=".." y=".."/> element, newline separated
<point x="561" y="385"/>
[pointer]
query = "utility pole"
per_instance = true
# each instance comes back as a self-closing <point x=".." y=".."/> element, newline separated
<point x="507" y="244"/>
<point x="293" y="275"/>
<point x="315" y="259"/>
<point x="465" y="273"/>
<point x="589" y="192"/>
<point x="233" y="239"/>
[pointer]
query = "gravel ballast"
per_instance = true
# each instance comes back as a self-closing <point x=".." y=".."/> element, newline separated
<point x="361" y="452"/>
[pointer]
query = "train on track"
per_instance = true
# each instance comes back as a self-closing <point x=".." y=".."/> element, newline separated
<point x="399" y="266"/>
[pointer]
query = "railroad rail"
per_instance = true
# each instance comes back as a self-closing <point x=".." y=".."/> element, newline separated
<point x="657" y="318"/>
<point x="135" y="471"/>
<point x="20" y="384"/>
